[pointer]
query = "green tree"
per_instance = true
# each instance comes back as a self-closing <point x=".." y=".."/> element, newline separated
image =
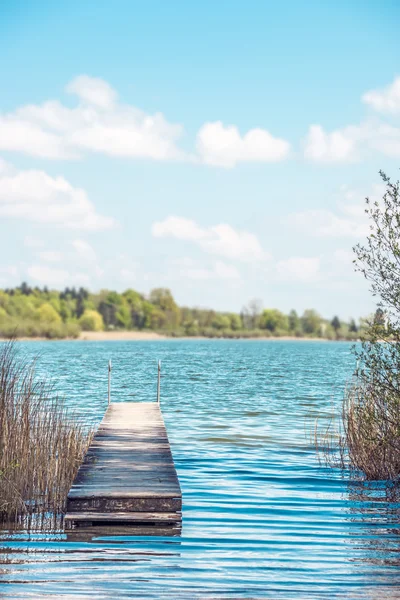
<point x="158" y="318"/>
<point x="123" y="316"/>
<point x="81" y="297"/>
<point x="336" y="323"/>
<point x="108" y="307"/>
<point x="47" y="314"/>
<point x="371" y="409"/>
<point x="191" y="328"/>
<point x="135" y="301"/>
<point x="294" y="321"/>
<point x="163" y="299"/>
<point x="273" y="320"/>
<point x="353" y="326"/>
<point x="221" y="321"/>
<point x="235" y="322"/>
<point x="4" y="299"/>
<point x="91" y="320"/>
<point x="379" y="318"/>
<point x="311" y="322"/>
<point x="251" y="313"/>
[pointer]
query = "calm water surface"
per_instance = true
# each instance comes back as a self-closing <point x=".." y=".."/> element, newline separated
<point x="261" y="518"/>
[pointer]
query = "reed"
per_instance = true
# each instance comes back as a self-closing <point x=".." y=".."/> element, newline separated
<point x="364" y="438"/>
<point x="41" y="442"/>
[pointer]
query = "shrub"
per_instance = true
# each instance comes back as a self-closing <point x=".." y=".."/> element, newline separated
<point x="14" y="327"/>
<point x="368" y="439"/>
<point x="91" y="320"/>
<point x="48" y="314"/>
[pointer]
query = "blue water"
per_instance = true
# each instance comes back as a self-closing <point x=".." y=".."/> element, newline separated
<point x="261" y="517"/>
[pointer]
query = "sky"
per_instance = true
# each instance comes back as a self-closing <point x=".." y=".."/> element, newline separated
<point x="220" y="149"/>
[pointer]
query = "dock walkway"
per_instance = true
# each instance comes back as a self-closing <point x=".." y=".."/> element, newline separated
<point x="128" y="475"/>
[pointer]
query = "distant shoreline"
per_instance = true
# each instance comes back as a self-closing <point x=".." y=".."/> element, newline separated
<point x="121" y="336"/>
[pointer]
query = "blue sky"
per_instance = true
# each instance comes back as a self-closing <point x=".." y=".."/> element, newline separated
<point x="222" y="149"/>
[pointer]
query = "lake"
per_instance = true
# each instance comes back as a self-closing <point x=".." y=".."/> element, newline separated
<point x="261" y="517"/>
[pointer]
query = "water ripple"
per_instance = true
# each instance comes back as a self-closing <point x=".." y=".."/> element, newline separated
<point x="261" y="517"/>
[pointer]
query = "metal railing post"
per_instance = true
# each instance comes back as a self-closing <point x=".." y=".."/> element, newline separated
<point x="109" y="381"/>
<point x="159" y="381"/>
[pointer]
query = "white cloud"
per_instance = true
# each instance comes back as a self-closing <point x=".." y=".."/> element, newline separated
<point x="325" y="223"/>
<point x="225" y="271"/>
<point x="56" y="277"/>
<point x="299" y="268"/>
<point x="98" y="123"/>
<point x="329" y="147"/>
<point x="127" y="275"/>
<point x="349" y="220"/>
<point x="36" y="196"/>
<point x="94" y="91"/>
<point x="225" y="241"/>
<point x="84" y="250"/>
<point x="9" y="275"/>
<point x="179" y="228"/>
<point x="19" y="135"/>
<point x="51" y="256"/>
<point x="223" y="146"/>
<point x="221" y="240"/>
<point x="219" y="270"/>
<point x="352" y="143"/>
<point x="355" y="142"/>
<point x="383" y="138"/>
<point x="385" y="100"/>
<point x="10" y="270"/>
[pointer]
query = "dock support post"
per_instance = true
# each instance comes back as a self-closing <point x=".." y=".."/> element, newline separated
<point x="158" y="381"/>
<point x="109" y="381"/>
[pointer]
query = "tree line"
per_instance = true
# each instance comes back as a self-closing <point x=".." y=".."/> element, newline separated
<point x="34" y="312"/>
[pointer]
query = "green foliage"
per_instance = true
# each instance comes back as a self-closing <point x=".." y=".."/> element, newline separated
<point x="369" y="443"/>
<point x="273" y="320"/>
<point x="48" y="314"/>
<point x="123" y="316"/>
<point x="336" y="323"/>
<point x="353" y="326"/>
<point x="164" y="301"/>
<point x="221" y="321"/>
<point x="311" y="322"/>
<point x="31" y="312"/>
<point x="235" y="322"/>
<point x="91" y="320"/>
<point x="294" y="321"/>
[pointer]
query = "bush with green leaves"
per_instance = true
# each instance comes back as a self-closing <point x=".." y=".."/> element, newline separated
<point x="369" y="437"/>
<point x="91" y="320"/>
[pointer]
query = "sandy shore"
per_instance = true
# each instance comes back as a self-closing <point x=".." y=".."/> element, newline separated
<point x="104" y="336"/>
<point x="115" y="336"/>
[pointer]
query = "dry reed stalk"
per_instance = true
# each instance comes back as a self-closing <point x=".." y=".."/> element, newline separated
<point x="41" y="442"/>
<point x="365" y="438"/>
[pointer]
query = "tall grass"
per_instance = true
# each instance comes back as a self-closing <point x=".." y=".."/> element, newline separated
<point x="364" y="439"/>
<point x="41" y="442"/>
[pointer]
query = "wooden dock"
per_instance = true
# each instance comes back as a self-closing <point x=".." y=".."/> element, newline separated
<point x="128" y="475"/>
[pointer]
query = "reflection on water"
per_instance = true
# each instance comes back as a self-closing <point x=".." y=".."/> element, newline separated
<point x="261" y="517"/>
<point x="110" y="534"/>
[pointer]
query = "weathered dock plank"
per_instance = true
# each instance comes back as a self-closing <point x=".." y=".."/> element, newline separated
<point x="123" y="517"/>
<point x="128" y="474"/>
